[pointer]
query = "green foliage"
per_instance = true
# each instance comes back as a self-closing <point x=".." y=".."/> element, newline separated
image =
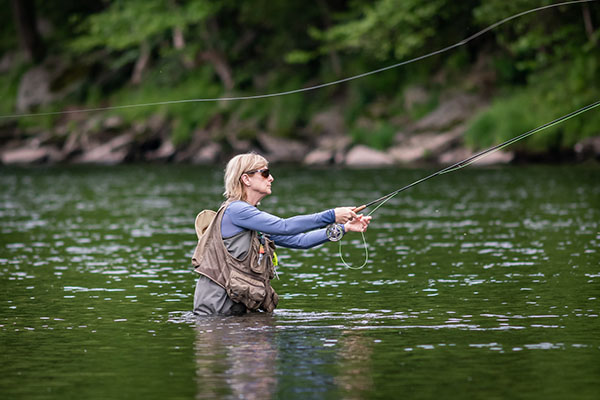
<point x="9" y="85"/>
<point x="129" y="23"/>
<point x="8" y="33"/>
<point x="545" y="63"/>
<point x="536" y="40"/>
<point x="380" y="136"/>
<point x="549" y="95"/>
<point x="384" y="28"/>
<point x="286" y="113"/>
<point x="506" y="118"/>
<point x="187" y="115"/>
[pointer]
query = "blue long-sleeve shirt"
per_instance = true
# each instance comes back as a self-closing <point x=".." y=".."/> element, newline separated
<point x="299" y="232"/>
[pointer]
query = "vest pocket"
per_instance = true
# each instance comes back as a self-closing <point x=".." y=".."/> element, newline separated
<point x="246" y="290"/>
<point x="264" y="262"/>
<point x="271" y="300"/>
<point x="259" y="264"/>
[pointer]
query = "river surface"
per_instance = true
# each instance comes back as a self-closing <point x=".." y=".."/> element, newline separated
<point x="480" y="284"/>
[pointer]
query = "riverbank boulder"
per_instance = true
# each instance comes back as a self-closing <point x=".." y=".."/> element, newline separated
<point x="461" y="153"/>
<point x="115" y="151"/>
<point x="202" y="149"/>
<point x="164" y="152"/>
<point x="451" y="112"/>
<point x="363" y="156"/>
<point x="588" y="148"/>
<point x="319" y="157"/>
<point x="282" y="150"/>
<point x="31" y="155"/>
<point x="424" y="146"/>
<point x="328" y="123"/>
<point x="48" y="82"/>
<point x="208" y="154"/>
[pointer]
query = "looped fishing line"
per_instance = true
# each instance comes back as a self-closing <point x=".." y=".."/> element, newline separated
<point x="306" y="89"/>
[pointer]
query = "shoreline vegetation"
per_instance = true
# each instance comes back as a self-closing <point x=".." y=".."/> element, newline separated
<point x="440" y="110"/>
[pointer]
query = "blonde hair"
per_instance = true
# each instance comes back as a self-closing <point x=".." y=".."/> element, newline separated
<point x="234" y="189"/>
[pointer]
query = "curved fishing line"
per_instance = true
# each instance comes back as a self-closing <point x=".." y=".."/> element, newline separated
<point x="460" y="165"/>
<point x="310" y="88"/>
<point x="366" y="254"/>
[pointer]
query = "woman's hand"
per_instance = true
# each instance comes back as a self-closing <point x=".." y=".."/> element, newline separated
<point x="358" y="224"/>
<point x="344" y="214"/>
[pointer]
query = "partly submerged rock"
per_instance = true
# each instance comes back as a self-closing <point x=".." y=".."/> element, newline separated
<point x="31" y="155"/>
<point x="460" y="154"/>
<point x="363" y="156"/>
<point x="319" y="157"/>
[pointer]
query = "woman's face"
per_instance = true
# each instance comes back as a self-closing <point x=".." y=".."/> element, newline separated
<point x="258" y="184"/>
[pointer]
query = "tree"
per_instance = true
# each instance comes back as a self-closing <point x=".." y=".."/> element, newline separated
<point x="141" y="25"/>
<point x="29" y="36"/>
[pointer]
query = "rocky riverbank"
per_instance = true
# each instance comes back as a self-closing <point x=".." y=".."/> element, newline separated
<point x="437" y="138"/>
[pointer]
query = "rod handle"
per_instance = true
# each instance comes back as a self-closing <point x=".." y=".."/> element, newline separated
<point x="360" y="208"/>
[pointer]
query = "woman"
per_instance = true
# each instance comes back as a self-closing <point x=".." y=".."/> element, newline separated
<point x="234" y="256"/>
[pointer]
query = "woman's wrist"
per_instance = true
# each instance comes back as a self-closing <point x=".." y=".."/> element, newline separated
<point x="331" y="216"/>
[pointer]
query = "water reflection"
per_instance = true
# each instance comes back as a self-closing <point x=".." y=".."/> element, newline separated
<point x="355" y="374"/>
<point x="255" y="357"/>
<point x="238" y="351"/>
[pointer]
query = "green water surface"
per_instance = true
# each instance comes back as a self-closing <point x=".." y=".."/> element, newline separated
<point x="481" y="284"/>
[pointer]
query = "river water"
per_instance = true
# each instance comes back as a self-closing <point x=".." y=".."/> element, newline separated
<point x="481" y="284"/>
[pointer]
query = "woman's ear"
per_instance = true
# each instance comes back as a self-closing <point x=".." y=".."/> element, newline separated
<point x="245" y="179"/>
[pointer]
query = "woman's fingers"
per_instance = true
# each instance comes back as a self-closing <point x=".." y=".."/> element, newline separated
<point x="344" y="214"/>
<point x="359" y="224"/>
<point x="364" y="222"/>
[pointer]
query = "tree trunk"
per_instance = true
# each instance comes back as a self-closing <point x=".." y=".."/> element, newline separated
<point x="333" y="55"/>
<point x="220" y="65"/>
<point x="214" y="56"/>
<point x="29" y="36"/>
<point x="587" y="21"/>
<point x="141" y="64"/>
<point x="179" y="44"/>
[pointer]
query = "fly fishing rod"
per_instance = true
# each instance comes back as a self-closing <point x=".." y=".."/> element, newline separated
<point x="454" y="167"/>
<point x="461" y="164"/>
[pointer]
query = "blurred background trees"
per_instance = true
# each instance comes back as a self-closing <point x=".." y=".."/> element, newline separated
<point x="102" y="53"/>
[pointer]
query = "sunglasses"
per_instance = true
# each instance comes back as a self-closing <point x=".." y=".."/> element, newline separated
<point x="264" y="172"/>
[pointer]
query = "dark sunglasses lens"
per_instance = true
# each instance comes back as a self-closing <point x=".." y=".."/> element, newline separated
<point x="265" y="173"/>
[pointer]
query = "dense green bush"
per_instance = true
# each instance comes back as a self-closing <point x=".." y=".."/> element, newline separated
<point x="549" y="95"/>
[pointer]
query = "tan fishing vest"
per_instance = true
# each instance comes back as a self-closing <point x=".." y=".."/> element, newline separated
<point x="246" y="280"/>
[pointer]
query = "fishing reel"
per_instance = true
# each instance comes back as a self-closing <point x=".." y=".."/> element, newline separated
<point x="334" y="232"/>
